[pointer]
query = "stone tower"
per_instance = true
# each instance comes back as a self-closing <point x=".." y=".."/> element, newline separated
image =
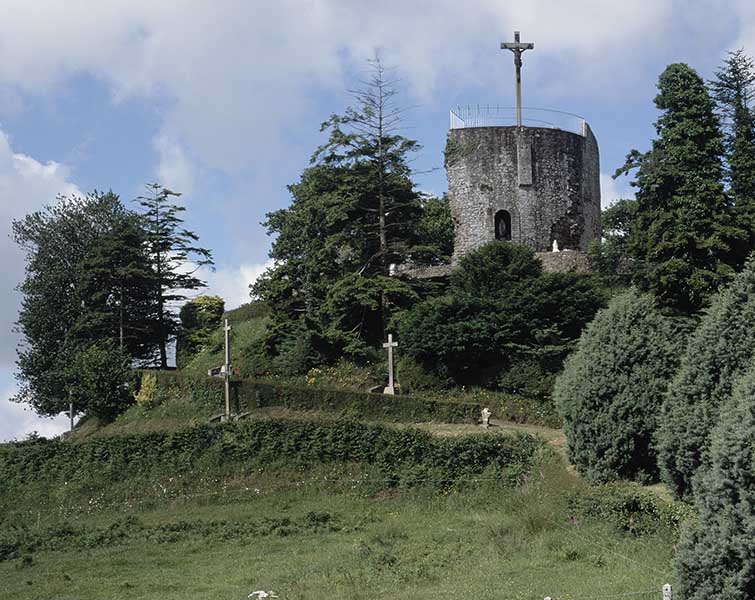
<point x="530" y="176"/>
<point x="530" y="185"/>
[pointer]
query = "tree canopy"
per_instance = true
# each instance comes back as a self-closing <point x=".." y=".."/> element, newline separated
<point x="683" y="236"/>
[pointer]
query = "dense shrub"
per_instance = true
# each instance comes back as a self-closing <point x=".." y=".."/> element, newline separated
<point x="248" y="394"/>
<point x="99" y="379"/>
<point x="501" y="311"/>
<point x="716" y="357"/>
<point x="611" y="391"/>
<point x="200" y="317"/>
<point x="716" y="560"/>
<point x="630" y="508"/>
<point x="494" y="267"/>
<point x="402" y="456"/>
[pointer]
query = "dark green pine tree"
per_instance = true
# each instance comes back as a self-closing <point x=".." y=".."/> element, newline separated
<point x="716" y="559"/>
<point x="175" y="259"/>
<point x="684" y="231"/>
<point x="354" y="213"/>
<point x="734" y="91"/>
<point x="118" y="289"/>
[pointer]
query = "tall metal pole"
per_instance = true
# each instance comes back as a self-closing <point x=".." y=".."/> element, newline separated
<point x="227" y="370"/>
<point x="517" y="47"/>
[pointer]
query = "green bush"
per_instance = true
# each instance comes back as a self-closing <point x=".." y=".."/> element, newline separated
<point x="405" y="456"/>
<point x="716" y="560"/>
<point x="200" y="317"/>
<point x="717" y="355"/>
<point x="99" y="377"/>
<point x="249" y="394"/>
<point x="630" y="508"/>
<point x="612" y="388"/>
<point x="500" y="312"/>
<point x="494" y="267"/>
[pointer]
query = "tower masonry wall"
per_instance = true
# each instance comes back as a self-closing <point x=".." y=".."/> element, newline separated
<point x="548" y="181"/>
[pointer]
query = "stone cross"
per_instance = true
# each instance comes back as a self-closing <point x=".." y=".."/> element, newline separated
<point x="390" y="345"/>
<point x="227" y="370"/>
<point x="517" y="47"/>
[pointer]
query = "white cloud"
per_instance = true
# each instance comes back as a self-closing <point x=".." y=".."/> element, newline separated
<point x="232" y="283"/>
<point x="612" y="189"/>
<point x="18" y="420"/>
<point x="174" y="171"/>
<point x="235" y="78"/>
<point x="26" y="185"/>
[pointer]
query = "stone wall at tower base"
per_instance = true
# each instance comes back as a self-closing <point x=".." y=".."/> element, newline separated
<point x="567" y="261"/>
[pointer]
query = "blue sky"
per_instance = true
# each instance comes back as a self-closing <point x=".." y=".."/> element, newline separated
<point x="223" y="100"/>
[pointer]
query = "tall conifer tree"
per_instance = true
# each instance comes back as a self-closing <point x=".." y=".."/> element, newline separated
<point x="175" y="259"/>
<point x="683" y="233"/>
<point x="734" y="91"/>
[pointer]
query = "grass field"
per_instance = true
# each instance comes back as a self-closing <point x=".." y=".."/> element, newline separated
<point x="325" y="532"/>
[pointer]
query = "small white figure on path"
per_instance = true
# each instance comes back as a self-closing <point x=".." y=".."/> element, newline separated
<point x="555" y="246"/>
<point x="486" y="414"/>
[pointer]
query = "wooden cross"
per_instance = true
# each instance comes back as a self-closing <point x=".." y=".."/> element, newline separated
<point x="517" y="47"/>
<point x="390" y="345"/>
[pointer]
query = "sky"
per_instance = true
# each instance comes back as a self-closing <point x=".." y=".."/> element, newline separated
<point x="223" y="101"/>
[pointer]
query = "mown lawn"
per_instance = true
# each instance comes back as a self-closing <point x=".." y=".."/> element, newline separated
<point x="328" y="533"/>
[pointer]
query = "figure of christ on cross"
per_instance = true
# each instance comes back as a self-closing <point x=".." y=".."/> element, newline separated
<point x="390" y="345"/>
<point x="517" y="47"/>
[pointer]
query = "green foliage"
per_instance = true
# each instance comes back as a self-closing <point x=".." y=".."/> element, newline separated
<point x="435" y="232"/>
<point x="500" y="311"/>
<point x="78" y="288"/>
<point x="683" y="235"/>
<point x="734" y="89"/>
<point x="490" y="270"/>
<point x="415" y="377"/>
<point x="612" y="388"/>
<point x="716" y="560"/>
<point x="249" y="324"/>
<point x="99" y="376"/>
<point x="404" y="457"/>
<point x="631" y="509"/>
<point x="610" y="258"/>
<point x="172" y="249"/>
<point x="354" y="213"/>
<point x="117" y="284"/>
<point x="200" y="317"/>
<point x="252" y="394"/>
<point x="718" y="353"/>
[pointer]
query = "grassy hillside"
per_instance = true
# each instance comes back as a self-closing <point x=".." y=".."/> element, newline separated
<point x="308" y="517"/>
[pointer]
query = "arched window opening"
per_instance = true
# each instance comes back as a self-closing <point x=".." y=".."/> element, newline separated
<point x="503" y="225"/>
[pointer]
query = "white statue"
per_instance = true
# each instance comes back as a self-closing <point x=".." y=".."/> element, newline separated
<point x="555" y="246"/>
<point x="486" y="413"/>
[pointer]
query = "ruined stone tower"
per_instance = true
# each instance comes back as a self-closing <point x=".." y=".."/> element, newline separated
<point x="531" y="176"/>
<point x="532" y="185"/>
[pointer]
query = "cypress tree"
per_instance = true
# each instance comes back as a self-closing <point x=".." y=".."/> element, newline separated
<point x="716" y="560"/>
<point x="719" y="350"/>
<point x="683" y="232"/>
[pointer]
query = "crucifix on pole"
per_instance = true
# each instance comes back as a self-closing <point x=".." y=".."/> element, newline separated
<point x="517" y="47"/>
<point x="390" y="345"/>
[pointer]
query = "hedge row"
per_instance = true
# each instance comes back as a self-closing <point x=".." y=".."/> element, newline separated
<point x="402" y="456"/>
<point x="249" y="394"/>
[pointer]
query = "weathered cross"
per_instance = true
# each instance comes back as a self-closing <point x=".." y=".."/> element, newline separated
<point x="227" y="369"/>
<point x="390" y="345"/>
<point x="517" y="47"/>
